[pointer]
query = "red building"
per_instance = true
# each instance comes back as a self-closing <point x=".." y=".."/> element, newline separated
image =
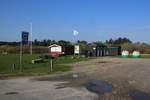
<point x="55" y="50"/>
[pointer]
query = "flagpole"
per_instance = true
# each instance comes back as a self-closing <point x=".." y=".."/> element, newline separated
<point x="31" y="38"/>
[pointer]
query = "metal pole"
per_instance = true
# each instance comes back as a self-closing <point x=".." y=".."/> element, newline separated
<point x="31" y="38"/>
<point x="21" y="54"/>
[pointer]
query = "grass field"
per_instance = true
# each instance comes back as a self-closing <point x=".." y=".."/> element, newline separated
<point x="7" y="61"/>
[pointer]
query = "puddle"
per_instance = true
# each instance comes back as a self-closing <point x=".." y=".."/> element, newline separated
<point x="103" y="62"/>
<point x="60" y="87"/>
<point x="139" y="95"/>
<point x="11" y="93"/>
<point x="71" y="80"/>
<point x="4" y="77"/>
<point x="68" y="77"/>
<point x="99" y="86"/>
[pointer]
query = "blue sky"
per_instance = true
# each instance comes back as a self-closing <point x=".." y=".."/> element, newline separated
<point x="93" y="19"/>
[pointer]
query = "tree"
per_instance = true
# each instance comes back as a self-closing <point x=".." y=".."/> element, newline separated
<point x="63" y="42"/>
<point x="36" y="42"/>
<point x="118" y="41"/>
<point x="82" y="42"/>
<point x="110" y="41"/>
<point x="98" y="43"/>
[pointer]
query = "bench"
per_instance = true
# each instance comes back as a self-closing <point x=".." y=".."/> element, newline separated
<point x="40" y="60"/>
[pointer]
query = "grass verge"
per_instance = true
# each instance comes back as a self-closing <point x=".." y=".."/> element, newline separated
<point x="10" y="64"/>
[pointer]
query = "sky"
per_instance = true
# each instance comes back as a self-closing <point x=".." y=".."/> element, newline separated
<point x="95" y="20"/>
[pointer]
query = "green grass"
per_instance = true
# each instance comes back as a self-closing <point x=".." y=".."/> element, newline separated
<point x="69" y="59"/>
<point x="7" y="61"/>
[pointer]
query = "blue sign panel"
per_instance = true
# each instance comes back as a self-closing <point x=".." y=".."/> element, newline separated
<point x="24" y="37"/>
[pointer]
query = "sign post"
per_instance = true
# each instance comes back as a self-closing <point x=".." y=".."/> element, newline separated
<point x="24" y="41"/>
<point x="77" y="49"/>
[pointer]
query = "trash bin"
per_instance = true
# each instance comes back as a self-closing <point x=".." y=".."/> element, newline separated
<point x="125" y="54"/>
<point x="136" y="54"/>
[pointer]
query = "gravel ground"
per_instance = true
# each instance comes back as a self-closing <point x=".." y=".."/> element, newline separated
<point x="124" y="74"/>
<point x="26" y="89"/>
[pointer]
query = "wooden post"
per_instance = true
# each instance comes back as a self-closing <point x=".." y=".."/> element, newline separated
<point x="13" y="67"/>
<point x="51" y="65"/>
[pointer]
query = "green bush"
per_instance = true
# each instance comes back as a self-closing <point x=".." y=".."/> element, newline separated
<point x="45" y="56"/>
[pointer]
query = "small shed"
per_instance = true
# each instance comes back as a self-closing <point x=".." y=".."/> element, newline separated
<point x="68" y="50"/>
<point x="55" y="50"/>
<point x="95" y="50"/>
<point x="114" y="50"/>
<point x="90" y="49"/>
<point x="108" y="51"/>
<point x="102" y="50"/>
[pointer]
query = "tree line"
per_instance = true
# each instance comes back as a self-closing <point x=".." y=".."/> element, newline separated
<point x="48" y="42"/>
<point x="40" y="46"/>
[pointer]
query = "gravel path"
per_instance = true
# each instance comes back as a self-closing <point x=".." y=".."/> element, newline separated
<point x="26" y="89"/>
<point x="125" y="75"/>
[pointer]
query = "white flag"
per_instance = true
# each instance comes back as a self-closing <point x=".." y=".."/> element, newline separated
<point x="75" y="32"/>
